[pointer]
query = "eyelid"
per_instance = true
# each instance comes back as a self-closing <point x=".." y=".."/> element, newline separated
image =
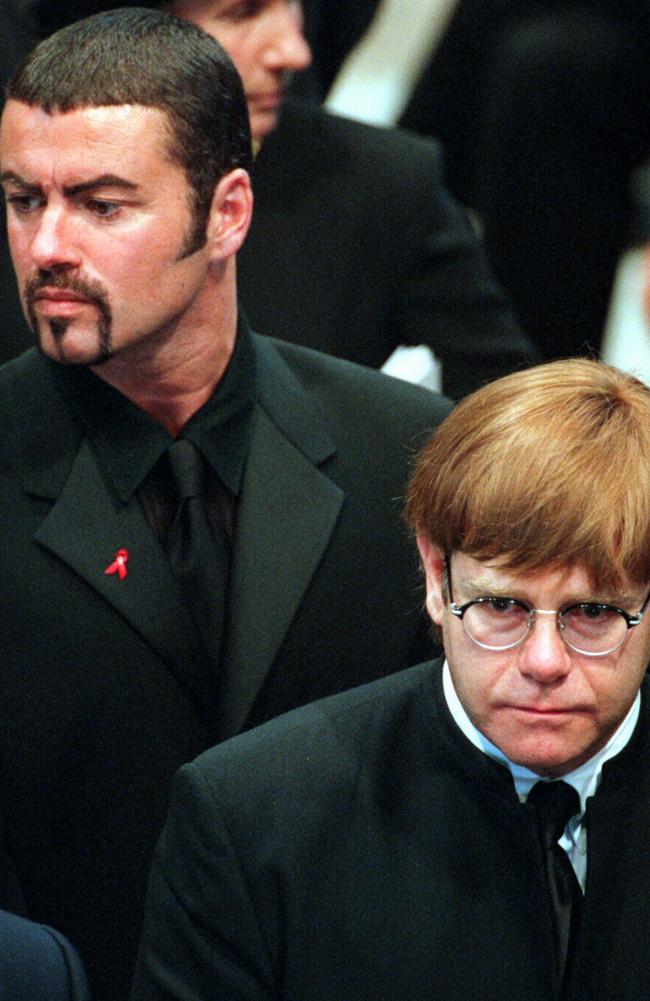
<point x="503" y="596"/>
<point x="241" y="10"/>
<point x="590" y="601"/>
<point x="591" y="604"/>
<point x="485" y="598"/>
<point x="112" y="207"/>
<point x="23" y="199"/>
<point x="99" y="196"/>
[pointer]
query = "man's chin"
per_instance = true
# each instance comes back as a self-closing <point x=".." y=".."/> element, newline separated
<point x="263" y="123"/>
<point x="67" y="347"/>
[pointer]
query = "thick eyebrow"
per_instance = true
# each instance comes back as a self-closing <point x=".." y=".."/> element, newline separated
<point x="102" y="181"/>
<point x="9" y="175"/>
<point x="483" y="585"/>
<point x="509" y="589"/>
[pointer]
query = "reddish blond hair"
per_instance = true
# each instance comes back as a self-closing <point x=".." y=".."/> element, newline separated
<point x="544" y="467"/>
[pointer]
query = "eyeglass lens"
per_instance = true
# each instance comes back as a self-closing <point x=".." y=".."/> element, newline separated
<point x="591" y="628"/>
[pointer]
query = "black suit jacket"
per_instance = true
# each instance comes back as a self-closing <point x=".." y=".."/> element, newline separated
<point x="356" y="248"/>
<point x="362" y="849"/>
<point x="37" y="964"/>
<point x="104" y="689"/>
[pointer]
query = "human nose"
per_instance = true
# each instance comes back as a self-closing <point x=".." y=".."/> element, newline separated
<point x="53" y="246"/>
<point x="287" y="47"/>
<point x="544" y="656"/>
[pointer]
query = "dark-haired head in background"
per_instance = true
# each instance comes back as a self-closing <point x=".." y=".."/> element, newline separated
<point x="341" y="207"/>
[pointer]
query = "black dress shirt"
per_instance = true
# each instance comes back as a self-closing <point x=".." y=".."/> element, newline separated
<point x="130" y="445"/>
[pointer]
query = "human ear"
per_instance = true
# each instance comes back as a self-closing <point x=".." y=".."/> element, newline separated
<point x="230" y="213"/>
<point x="434" y="565"/>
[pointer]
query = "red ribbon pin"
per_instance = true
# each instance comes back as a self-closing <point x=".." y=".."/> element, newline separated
<point x="118" y="565"/>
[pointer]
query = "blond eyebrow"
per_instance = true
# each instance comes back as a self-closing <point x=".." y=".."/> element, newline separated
<point x="482" y="585"/>
<point x="509" y="589"/>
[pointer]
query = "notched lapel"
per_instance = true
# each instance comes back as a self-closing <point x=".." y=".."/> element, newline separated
<point x="288" y="511"/>
<point x="85" y="528"/>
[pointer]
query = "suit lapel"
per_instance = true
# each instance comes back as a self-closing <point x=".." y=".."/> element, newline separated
<point x="285" y="520"/>
<point x="287" y="513"/>
<point x="85" y="528"/>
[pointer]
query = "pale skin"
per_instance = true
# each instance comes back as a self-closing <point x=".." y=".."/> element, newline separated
<point x="544" y="705"/>
<point x="264" y="39"/>
<point x="94" y="198"/>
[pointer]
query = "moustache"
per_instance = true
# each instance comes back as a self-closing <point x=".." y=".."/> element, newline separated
<point x="90" y="289"/>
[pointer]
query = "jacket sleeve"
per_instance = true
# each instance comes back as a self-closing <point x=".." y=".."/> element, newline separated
<point x="202" y="938"/>
<point x="75" y="976"/>
<point x="37" y="963"/>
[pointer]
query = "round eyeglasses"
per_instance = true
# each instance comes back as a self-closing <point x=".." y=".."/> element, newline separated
<point x="588" y="627"/>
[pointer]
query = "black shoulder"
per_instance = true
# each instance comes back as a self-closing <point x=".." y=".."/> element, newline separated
<point x="356" y="146"/>
<point x="354" y="396"/>
<point x="21" y="368"/>
<point x="17" y="390"/>
<point x="340" y="727"/>
<point x="43" y="967"/>
<point x="35" y="423"/>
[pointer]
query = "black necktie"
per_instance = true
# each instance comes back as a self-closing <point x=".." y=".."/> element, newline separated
<point x="556" y="802"/>
<point x="198" y="555"/>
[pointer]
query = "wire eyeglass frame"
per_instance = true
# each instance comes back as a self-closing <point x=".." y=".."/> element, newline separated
<point x="459" y="611"/>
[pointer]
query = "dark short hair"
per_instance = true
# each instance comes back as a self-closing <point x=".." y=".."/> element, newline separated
<point x="141" y="56"/>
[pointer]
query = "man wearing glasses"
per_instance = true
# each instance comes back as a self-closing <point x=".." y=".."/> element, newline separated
<point x="474" y="828"/>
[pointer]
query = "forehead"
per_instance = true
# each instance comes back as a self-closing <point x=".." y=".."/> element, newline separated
<point x="230" y="21"/>
<point x="132" y="138"/>
<point x="242" y="10"/>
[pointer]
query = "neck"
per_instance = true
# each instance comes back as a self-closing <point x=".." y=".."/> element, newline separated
<point x="171" y="383"/>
